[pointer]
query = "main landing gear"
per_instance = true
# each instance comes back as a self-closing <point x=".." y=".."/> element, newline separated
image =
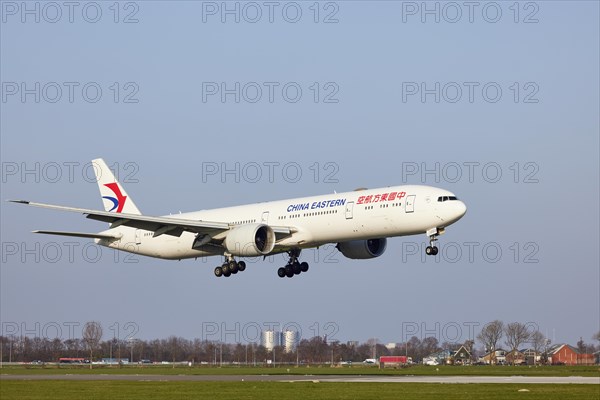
<point x="230" y="266"/>
<point x="293" y="267"/>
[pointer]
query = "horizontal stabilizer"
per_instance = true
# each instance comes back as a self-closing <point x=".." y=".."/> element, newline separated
<point x="80" y="234"/>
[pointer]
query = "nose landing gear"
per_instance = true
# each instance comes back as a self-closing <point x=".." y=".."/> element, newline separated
<point x="433" y="233"/>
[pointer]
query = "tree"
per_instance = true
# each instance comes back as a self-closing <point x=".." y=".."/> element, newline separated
<point x="581" y="346"/>
<point x="538" y="341"/>
<point x="490" y="335"/>
<point x="92" y="333"/>
<point x="516" y="334"/>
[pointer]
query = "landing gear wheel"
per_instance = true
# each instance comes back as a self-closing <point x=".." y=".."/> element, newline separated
<point x="296" y="268"/>
<point x="290" y="274"/>
<point x="241" y="266"/>
<point x="226" y="274"/>
<point x="434" y="250"/>
<point x="218" y="272"/>
<point x="429" y="250"/>
<point x="225" y="269"/>
<point x="289" y="270"/>
<point x="304" y="266"/>
<point x="281" y="272"/>
<point x="233" y="267"/>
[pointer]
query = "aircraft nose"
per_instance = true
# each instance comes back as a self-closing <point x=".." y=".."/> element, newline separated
<point x="461" y="209"/>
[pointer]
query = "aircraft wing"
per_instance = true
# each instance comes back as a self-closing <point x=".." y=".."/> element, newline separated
<point x="80" y="234"/>
<point x="158" y="225"/>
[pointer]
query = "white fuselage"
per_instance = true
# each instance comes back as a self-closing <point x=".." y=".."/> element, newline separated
<point x="333" y="218"/>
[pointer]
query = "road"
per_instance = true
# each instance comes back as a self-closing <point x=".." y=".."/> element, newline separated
<point x="316" y="378"/>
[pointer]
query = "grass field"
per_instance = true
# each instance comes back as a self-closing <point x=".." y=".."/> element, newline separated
<point x="484" y="370"/>
<point x="114" y="390"/>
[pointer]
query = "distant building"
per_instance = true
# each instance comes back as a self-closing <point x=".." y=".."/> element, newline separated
<point x="290" y="341"/>
<point x="532" y="357"/>
<point x="495" y="357"/>
<point x="437" y="358"/>
<point x="568" y="355"/>
<point x="271" y="339"/>
<point x="352" y="343"/>
<point x="114" y="361"/>
<point x="391" y="346"/>
<point x="461" y="356"/>
<point x="515" y="357"/>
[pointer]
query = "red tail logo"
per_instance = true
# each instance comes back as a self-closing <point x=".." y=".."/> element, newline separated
<point x="119" y="201"/>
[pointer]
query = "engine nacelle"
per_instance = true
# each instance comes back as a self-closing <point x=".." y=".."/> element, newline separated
<point x="250" y="240"/>
<point x="363" y="249"/>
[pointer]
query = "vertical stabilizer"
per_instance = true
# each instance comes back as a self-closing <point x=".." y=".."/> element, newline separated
<point x="114" y="197"/>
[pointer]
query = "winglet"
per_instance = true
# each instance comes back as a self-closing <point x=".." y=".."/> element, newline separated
<point x="19" y="201"/>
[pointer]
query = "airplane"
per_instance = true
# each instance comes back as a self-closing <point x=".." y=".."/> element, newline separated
<point x="359" y="222"/>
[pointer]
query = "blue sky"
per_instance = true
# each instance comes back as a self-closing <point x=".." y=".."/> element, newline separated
<point x="519" y="99"/>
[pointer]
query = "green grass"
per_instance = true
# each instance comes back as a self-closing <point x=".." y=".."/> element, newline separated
<point x="116" y="390"/>
<point x="484" y="370"/>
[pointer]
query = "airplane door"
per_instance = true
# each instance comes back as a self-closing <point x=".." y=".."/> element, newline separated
<point x="265" y="217"/>
<point x="138" y="236"/>
<point x="410" y="203"/>
<point x="349" y="209"/>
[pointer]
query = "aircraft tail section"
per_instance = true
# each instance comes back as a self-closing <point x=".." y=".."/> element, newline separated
<point x="114" y="196"/>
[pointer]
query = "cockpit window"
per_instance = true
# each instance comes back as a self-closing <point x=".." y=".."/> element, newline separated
<point x="446" y="198"/>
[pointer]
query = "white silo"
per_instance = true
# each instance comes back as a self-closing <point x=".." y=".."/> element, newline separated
<point x="270" y="339"/>
<point x="290" y="341"/>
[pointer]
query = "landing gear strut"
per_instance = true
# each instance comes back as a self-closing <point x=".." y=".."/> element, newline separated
<point x="432" y="249"/>
<point x="293" y="267"/>
<point x="230" y="266"/>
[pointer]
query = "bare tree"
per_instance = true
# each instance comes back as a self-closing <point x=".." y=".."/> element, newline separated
<point x="516" y="334"/>
<point x="490" y="335"/>
<point x="92" y="333"/>
<point x="538" y="341"/>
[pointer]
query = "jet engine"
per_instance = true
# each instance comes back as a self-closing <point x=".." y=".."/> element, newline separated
<point x="250" y="240"/>
<point x="362" y="249"/>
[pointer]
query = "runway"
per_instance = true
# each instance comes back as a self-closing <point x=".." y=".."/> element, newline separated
<point x="314" y="378"/>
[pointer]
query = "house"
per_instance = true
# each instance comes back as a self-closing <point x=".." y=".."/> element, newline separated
<point x="515" y="357"/>
<point x="437" y="358"/>
<point x="568" y="355"/>
<point x="495" y="357"/>
<point x="532" y="357"/>
<point x="461" y="356"/>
